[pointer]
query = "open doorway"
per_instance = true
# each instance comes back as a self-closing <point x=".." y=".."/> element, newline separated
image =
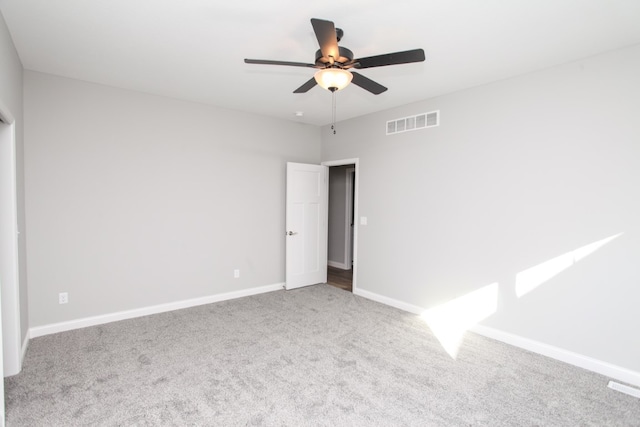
<point x="341" y="225"/>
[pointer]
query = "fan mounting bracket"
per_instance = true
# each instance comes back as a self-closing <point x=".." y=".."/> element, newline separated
<point x="346" y="56"/>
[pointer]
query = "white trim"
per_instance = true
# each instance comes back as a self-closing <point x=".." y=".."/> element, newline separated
<point x="356" y="163"/>
<point x="348" y="227"/>
<point x="389" y="301"/>
<point x="25" y="346"/>
<point x="604" y="368"/>
<point x="11" y="336"/>
<point x="343" y="162"/>
<point x="145" y="311"/>
<point x="576" y="359"/>
<point x="340" y="265"/>
<point x="6" y="114"/>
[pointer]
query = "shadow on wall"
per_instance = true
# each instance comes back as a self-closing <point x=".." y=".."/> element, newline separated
<point x="451" y="320"/>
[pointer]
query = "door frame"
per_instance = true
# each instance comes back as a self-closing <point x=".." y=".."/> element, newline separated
<point x="356" y="163"/>
<point x="10" y="280"/>
<point x="349" y="227"/>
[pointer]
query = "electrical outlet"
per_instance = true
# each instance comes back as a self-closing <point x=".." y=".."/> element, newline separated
<point x="63" y="298"/>
<point x="236" y="274"/>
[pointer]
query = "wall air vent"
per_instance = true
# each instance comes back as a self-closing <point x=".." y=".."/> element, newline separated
<point x="421" y="121"/>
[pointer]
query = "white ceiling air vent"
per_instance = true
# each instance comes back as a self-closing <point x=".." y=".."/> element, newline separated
<point x="421" y="121"/>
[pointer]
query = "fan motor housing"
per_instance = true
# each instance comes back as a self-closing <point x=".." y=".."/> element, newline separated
<point x="345" y="56"/>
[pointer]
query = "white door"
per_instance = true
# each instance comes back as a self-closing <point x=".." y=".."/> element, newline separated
<point x="306" y="225"/>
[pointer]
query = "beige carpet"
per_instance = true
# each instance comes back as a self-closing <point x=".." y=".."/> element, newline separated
<point x="313" y="356"/>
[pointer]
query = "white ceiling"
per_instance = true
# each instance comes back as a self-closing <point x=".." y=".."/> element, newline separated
<point x="194" y="49"/>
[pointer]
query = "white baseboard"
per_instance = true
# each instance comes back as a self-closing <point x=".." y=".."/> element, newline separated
<point x="389" y="301"/>
<point x="340" y="265"/>
<point x="576" y="359"/>
<point x="604" y="368"/>
<point x="54" y="328"/>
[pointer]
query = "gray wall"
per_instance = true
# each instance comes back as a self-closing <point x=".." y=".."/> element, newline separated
<point x="11" y="96"/>
<point x="518" y="173"/>
<point x="135" y="200"/>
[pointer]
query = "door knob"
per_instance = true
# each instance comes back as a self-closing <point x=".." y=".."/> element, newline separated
<point x="291" y="233"/>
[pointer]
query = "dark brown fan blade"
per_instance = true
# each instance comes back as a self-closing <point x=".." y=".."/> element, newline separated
<point x="268" y="62"/>
<point x="367" y="84"/>
<point x="406" y="57"/>
<point x="305" y="87"/>
<point x="326" y="35"/>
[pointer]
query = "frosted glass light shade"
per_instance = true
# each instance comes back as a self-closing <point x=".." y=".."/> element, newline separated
<point x="333" y="78"/>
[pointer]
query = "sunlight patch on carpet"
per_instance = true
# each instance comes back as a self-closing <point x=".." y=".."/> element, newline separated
<point x="451" y="320"/>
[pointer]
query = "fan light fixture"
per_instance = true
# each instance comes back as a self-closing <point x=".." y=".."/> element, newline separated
<point x="333" y="79"/>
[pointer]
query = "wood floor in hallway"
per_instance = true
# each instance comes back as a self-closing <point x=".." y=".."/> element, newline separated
<point x="339" y="278"/>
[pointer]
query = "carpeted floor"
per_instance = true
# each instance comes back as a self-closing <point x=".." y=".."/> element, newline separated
<point x="313" y="356"/>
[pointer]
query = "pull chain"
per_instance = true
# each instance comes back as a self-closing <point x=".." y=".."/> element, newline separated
<point x="333" y="111"/>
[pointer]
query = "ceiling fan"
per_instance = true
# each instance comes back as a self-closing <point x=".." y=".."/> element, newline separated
<point x="335" y="62"/>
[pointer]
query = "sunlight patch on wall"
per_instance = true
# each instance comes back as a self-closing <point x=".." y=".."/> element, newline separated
<point x="530" y="279"/>
<point x="450" y="321"/>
